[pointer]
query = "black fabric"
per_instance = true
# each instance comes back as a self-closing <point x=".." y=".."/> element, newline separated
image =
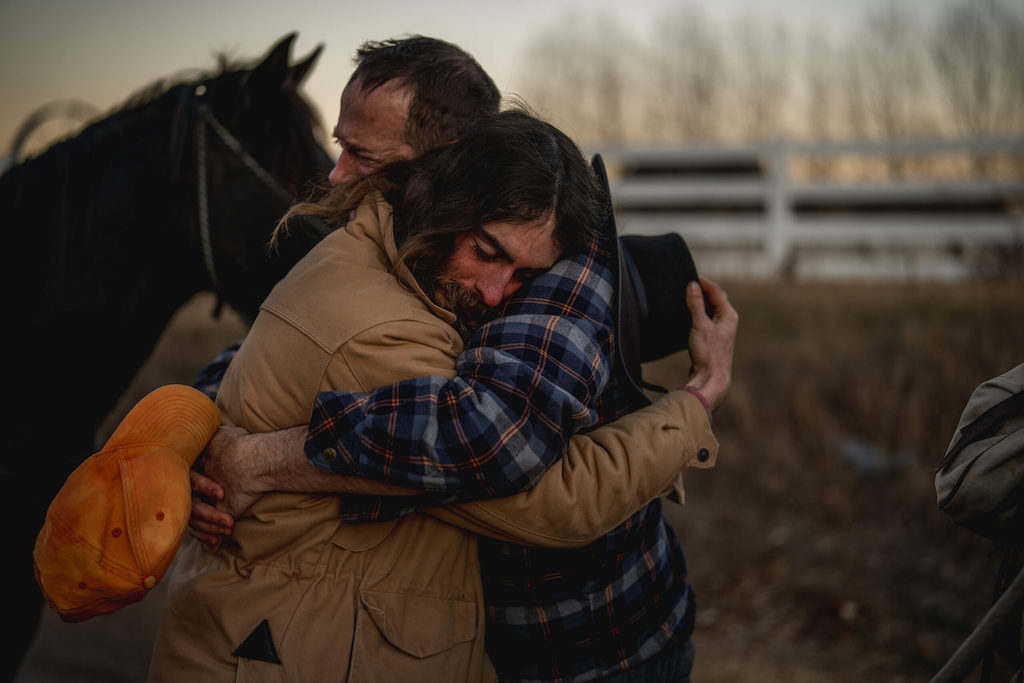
<point x="259" y="645"/>
<point x="626" y="365"/>
<point x="664" y="266"/>
<point x="652" y="320"/>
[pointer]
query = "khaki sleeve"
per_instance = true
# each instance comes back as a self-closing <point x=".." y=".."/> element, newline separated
<point x="394" y="351"/>
<point x="604" y="478"/>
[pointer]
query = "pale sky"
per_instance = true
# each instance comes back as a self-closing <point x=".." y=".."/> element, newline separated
<point x="102" y="51"/>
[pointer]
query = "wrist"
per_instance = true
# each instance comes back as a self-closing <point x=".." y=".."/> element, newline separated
<point x="264" y="465"/>
<point x="281" y="462"/>
<point x="712" y="386"/>
<point x="699" y="395"/>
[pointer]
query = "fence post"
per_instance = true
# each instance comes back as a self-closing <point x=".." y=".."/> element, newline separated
<point x="779" y="211"/>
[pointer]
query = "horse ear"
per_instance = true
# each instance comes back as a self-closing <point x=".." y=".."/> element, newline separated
<point x="273" y="70"/>
<point x="301" y="70"/>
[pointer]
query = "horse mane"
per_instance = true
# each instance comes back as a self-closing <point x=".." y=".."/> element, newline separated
<point x="157" y="90"/>
<point x="161" y="86"/>
<point x="114" y="121"/>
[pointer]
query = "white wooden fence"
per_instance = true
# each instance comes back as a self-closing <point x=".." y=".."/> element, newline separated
<point x="746" y="211"/>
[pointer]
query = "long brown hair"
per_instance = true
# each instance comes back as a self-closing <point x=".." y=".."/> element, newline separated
<point x="510" y="167"/>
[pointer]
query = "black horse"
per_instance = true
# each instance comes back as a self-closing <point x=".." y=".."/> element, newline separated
<point x="108" y="234"/>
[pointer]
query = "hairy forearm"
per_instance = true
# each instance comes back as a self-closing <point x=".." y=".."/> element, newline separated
<point x="286" y="468"/>
<point x="276" y="461"/>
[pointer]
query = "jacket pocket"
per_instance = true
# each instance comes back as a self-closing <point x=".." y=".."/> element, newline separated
<point x="412" y="637"/>
<point x="363" y="536"/>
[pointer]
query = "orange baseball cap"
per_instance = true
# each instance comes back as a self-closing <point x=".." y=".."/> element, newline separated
<point x="112" y="530"/>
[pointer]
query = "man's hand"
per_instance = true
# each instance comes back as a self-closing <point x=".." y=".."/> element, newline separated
<point x="711" y="341"/>
<point x="207" y="524"/>
<point x="238" y="467"/>
<point x="226" y="480"/>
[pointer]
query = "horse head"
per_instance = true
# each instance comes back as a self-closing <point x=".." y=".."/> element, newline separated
<point x="256" y="152"/>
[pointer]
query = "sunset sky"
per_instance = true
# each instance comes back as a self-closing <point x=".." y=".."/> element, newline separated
<point x="102" y="51"/>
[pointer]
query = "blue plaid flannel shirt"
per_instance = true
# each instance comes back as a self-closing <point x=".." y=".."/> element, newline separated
<point x="526" y="382"/>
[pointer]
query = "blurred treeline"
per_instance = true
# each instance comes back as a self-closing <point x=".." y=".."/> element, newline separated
<point x="895" y="74"/>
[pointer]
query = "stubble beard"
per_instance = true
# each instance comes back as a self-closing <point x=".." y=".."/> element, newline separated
<point x="470" y="311"/>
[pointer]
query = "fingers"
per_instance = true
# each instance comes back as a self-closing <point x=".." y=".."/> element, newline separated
<point x="695" y="302"/>
<point x="711" y="340"/>
<point x="210" y="543"/>
<point x="208" y="525"/>
<point x="206" y="487"/>
<point x="209" y="518"/>
<point x="716" y="296"/>
<point x="726" y="316"/>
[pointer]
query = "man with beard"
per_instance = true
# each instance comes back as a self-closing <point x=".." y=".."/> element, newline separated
<point x="636" y="574"/>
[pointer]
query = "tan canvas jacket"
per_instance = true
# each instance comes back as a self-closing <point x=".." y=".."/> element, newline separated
<point x="399" y="600"/>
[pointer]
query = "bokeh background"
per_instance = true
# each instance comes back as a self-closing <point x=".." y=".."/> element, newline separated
<point x="738" y="69"/>
<point x="816" y="546"/>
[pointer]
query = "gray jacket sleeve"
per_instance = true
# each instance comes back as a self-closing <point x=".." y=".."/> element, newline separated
<point x="979" y="481"/>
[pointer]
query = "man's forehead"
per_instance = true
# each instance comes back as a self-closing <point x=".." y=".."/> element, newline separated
<point x="381" y="111"/>
<point x="532" y="246"/>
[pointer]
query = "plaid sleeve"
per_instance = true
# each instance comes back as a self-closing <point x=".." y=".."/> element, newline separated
<point x="524" y="384"/>
<point x="209" y="378"/>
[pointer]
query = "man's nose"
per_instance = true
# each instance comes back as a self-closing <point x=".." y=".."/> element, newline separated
<point x="497" y="286"/>
<point x="343" y="171"/>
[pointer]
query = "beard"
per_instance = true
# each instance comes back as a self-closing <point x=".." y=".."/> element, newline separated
<point x="470" y="311"/>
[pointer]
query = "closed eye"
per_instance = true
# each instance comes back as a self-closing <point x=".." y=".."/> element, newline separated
<point x="357" y="153"/>
<point x="485" y="255"/>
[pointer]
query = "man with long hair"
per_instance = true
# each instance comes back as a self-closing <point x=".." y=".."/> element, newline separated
<point x="645" y="607"/>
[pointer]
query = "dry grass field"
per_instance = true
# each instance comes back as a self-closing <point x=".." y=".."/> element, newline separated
<point x="818" y="561"/>
<point x="816" y="546"/>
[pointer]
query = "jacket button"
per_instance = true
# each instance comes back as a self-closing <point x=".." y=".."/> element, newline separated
<point x="703" y="455"/>
<point x="330" y="455"/>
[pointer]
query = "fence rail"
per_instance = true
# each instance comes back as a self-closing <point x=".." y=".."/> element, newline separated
<point x="745" y="212"/>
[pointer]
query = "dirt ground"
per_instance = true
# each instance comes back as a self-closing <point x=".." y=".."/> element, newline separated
<point x="815" y="545"/>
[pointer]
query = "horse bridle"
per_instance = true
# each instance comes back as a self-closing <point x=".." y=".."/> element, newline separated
<point x="206" y="118"/>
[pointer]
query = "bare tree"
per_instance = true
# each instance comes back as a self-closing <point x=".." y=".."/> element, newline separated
<point x="610" y="51"/>
<point x="685" y="71"/>
<point x="576" y="74"/>
<point x="887" y="89"/>
<point x="819" y="71"/>
<point x="978" y="54"/>
<point x="758" y="79"/>
<point x="552" y="61"/>
<point x="817" y="118"/>
<point x="691" y="81"/>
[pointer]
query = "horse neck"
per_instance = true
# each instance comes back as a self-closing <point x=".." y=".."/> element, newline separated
<point x="124" y="197"/>
<point x="105" y="263"/>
